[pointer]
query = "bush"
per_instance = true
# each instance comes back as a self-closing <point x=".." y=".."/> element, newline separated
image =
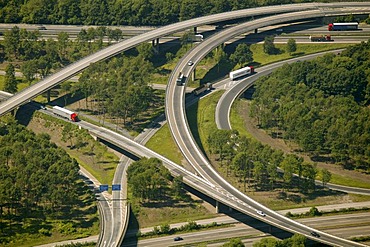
<point x="45" y="232"/>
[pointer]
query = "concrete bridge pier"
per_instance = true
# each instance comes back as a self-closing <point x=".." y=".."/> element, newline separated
<point x="195" y="30"/>
<point x="217" y="208"/>
<point x="193" y="75"/>
<point x="48" y="95"/>
<point x="155" y="44"/>
<point x="256" y="30"/>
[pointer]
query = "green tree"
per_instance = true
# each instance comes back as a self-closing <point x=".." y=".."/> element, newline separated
<point x="146" y="51"/>
<point x="12" y="43"/>
<point x="325" y="176"/>
<point x="29" y="70"/>
<point x="269" y="46"/>
<point x="235" y="242"/>
<point x="62" y="44"/>
<point x="242" y="55"/>
<point x="10" y="82"/>
<point x="291" y="46"/>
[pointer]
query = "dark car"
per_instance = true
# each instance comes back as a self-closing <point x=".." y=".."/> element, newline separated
<point x="177" y="239"/>
<point x="315" y="234"/>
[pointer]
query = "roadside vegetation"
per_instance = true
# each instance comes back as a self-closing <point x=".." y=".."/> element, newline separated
<point x="158" y="198"/>
<point x="90" y="154"/>
<point x="314" y="212"/>
<point x="43" y="197"/>
<point x="115" y="12"/>
<point x="322" y="105"/>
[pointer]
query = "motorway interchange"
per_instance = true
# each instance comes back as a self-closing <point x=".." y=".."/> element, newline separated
<point x="212" y="184"/>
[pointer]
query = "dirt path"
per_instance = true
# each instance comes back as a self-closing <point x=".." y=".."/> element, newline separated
<point x="263" y="137"/>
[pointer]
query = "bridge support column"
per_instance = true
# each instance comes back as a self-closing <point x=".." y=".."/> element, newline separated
<point x="193" y="75"/>
<point x="217" y="208"/>
<point x="195" y="30"/>
<point x="48" y="95"/>
<point x="94" y="137"/>
<point x="256" y="30"/>
<point x="155" y="45"/>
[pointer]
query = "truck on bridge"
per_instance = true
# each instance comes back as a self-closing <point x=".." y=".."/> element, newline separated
<point x="180" y="79"/>
<point x="241" y="72"/>
<point x="201" y="89"/>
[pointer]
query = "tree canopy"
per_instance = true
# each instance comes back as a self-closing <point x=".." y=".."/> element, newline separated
<point x="321" y="104"/>
<point x="117" y="12"/>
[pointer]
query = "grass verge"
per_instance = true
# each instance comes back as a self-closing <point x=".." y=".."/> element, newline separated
<point x="163" y="143"/>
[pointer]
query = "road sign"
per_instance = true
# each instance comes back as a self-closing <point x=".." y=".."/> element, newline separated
<point x="103" y="187"/>
<point x="116" y="187"/>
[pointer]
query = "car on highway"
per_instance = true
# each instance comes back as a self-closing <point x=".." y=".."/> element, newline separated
<point x="178" y="239"/>
<point x="190" y="63"/>
<point x="41" y="28"/>
<point x="261" y="213"/>
<point x="315" y="234"/>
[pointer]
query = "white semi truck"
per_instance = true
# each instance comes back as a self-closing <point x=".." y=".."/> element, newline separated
<point x="65" y="113"/>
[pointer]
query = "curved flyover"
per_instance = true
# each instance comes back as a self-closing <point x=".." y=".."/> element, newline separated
<point x="175" y="112"/>
<point x="73" y="69"/>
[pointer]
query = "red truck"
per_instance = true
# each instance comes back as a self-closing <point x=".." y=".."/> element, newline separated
<point x="320" y="38"/>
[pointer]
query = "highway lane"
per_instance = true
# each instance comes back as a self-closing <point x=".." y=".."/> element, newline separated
<point x="346" y="226"/>
<point x="71" y="70"/>
<point x="177" y="121"/>
<point x="351" y="220"/>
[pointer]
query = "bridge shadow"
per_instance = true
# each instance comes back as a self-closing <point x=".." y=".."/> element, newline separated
<point x="248" y="220"/>
<point x="131" y="237"/>
<point x="192" y="118"/>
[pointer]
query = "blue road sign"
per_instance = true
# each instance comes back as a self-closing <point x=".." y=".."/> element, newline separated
<point x="116" y="187"/>
<point x="103" y="187"/>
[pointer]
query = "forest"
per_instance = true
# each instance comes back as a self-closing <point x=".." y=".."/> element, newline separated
<point x="40" y="184"/>
<point x="150" y="181"/>
<point x="322" y="105"/>
<point x="118" y="12"/>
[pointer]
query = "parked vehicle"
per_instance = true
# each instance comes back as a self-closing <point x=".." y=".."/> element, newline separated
<point x="241" y="72"/>
<point x="65" y="113"/>
<point x="320" y="38"/>
<point x="202" y="89"/>
<point x="343" y="26"/>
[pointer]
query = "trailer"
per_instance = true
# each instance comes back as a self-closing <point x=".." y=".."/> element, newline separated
<point x="65" y="113"/>
<point x="320" y="38"/>
<point x="202" y="89"/>
<point x="241" y="72"/>
<point x="180" y="79"/>
<point x="343" y="26"/>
